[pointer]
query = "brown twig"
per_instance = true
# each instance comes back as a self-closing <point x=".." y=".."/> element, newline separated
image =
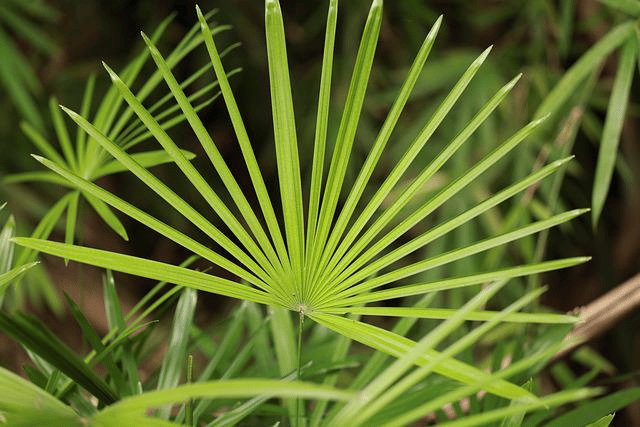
<point x="601" y="314"/>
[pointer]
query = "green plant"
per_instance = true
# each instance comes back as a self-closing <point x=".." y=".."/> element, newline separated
<point x="16" y="74"/>
<point x="89" y="160"/>
<point x="318" y="262"/>
<point x="8" y="273"/>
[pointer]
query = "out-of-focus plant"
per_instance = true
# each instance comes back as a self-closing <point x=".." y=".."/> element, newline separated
<point x="88" y="159"/>
<point x="8" y="272"/>
<point x="19" y="21"/>
<point x="321" y="258"/>
<point x="375" y="230"/>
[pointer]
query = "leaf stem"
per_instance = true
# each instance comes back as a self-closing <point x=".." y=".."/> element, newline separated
<point x="298" y="413"/>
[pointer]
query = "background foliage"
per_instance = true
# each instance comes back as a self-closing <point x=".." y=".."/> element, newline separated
<point x="542" y="39"/>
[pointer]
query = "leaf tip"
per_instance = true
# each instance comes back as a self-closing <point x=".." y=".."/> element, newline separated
<point x="114" y="77"/>
<point x="435" y="28"/>
<point x="537" y="121"/>
<point x="558" y="163"/>
<point x="66" y="110"/>
<point x="18" y="240"/>
<point x="37" y="157"/>
<point x="513" y="82"/>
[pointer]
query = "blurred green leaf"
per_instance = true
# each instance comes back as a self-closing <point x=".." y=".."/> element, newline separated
<point x="175" y="358"/>
<point x="22" y="404"/>
<point x="602" y="422"/>
<point x="631" y="7"/>
<point x="616" y="113"/>
<point x="96" y="343"/>
<point x="588" y="62"/>
<point x="9" y="276"/>
<point x="35" y="336"/>
<point x="137" y="405"/>
<point x="596" y="409"/>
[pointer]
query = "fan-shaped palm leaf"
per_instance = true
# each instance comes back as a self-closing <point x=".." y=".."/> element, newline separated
<point x="340" y="258"/>
<point x="88" y="159"/>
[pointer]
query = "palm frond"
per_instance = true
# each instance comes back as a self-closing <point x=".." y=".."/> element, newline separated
<point x="341" y="259"/>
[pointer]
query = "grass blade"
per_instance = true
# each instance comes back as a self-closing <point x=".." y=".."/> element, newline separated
<point x="596" y="409"/>
<point x="41" y="143"/>
<point x="284" y="342"/>
<point x="484" y="418"/>
<point x="194" y="177"/>
<point x="96" y="343"/>
<point x="45" y="227"/>
<point x="85" y="109"/>
<point x="582" y="68"/>
<point x="444" y="329"/>
<point x="9" y="276"/>
<point x="115" y="319"/>
<point x="25" y="404"/>
<point x="380" y="391"/>
<point x="35" y="336"/>
<point x="72" y="216"/>
<point x="147" y="159"/>
<point x="454" y="255"/>
<point x="174" y="359"/>
<point x="616" y="112"/>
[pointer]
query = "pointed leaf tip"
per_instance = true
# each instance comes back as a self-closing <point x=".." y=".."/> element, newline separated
<point x="536" y="122"/>
<point x="112" y="73"/>
<point x="37" y="157"/>
<point x="561" y="162"/>
<point x="201" y="19"/>
<point x="152" y="48"/>
<point x="69" y="111"/>
<point x="481" y="58"/>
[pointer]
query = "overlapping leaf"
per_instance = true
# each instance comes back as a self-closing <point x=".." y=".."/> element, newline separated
<point x="341" y="258"/>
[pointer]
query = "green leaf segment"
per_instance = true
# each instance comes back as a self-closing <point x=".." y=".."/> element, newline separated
<point x="336" y="259"/>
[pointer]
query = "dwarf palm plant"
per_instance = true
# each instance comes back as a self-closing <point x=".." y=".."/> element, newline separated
<point x="17" y="75"/>
<point x="319" y="256"/>
<point x="86" y="158"/>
